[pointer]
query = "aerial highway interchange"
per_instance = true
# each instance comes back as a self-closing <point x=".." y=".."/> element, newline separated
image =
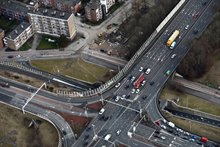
<point x="119" y="122"/>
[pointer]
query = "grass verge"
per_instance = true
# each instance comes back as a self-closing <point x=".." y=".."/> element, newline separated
<point x="212" y="133"/>
<point x="14" y="129"/>
<point x="191" y="101"/>
<point x="44" y="44"/>
<point x="76" y="68"/>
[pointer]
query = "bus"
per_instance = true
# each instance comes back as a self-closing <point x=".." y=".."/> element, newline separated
<point x="138" y="82"/>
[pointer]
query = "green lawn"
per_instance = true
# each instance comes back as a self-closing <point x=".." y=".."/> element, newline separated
<point x="27" y="45"/>
<point x="191" y="101"/>
<point x="212" y="133"/>
<point x="76" y="68"/>
<point x="44" y="44"/>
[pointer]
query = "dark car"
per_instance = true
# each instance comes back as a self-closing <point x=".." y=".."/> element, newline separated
<point x="152" y="83"/>
<point x="86" y="137"/>
<point x="10" y="56"/>
<point x="105" y="118"/>
<point x="85" y="143"/>
<point x="102" y="117"/>
<point x="144" y="97"/>
<point x="88" y="128"/>
<point x="127" y="86"/>
<point x="204" y="3"/>
<point x="64" y="132"/>
<point x="195" y="31"/>
<point x="128" y="96"/>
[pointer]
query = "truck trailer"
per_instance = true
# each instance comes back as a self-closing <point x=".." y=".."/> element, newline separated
<point x="173" y="37"/>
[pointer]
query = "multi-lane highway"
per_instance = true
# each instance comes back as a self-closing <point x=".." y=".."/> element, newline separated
<point x="123" y="113"/>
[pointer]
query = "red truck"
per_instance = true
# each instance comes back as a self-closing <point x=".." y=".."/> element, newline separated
<point x="138" y="82"/>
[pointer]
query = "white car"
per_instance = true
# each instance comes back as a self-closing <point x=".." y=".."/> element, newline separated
<point x="118" y="132"/>
<point x="148" y="71"/>
<point x="18" y="56"/>
<point x="117" y="85"/>
<point x="173" y="56"/>
<point x="101" y="111"/>
<point x="117" y="98"/>
<point x="133" y="90"/>
<point x="138" y="90"/>
<point x="141" y="69"/>
<point x="164" y="127"/>
<point x="162" y="137"/>
<point x="173" y="45"/>
<point x="186" y="27"/>
<point x="143" y="82"/>
<point x="132" y="79"/>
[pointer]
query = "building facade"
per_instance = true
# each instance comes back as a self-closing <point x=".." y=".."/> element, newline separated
<point x="19" y="36"/>
<point x="2" y="35"/>
<point x="71" y="6"/>
<point x="93" y="11"/>
<point x="107" y="4"/>
<point x="53" y="22"/>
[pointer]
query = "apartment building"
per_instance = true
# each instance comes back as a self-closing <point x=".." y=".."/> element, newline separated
<point x="107" y="4"/>
<point x="71" y="6"/>
<point x="93" y="11"/>
<point x="19" y="36"/>
<point x="53" y="22"/>
<point x="2" y="35"/>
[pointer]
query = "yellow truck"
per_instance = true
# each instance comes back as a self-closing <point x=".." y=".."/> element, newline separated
<point x="173" y="37"/>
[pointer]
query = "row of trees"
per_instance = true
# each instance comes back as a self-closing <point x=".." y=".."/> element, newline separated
<point x="200" y="57"/>
<point x="143" y="21"/>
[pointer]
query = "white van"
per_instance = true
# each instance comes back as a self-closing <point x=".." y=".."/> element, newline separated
<point x="108" y="136"/>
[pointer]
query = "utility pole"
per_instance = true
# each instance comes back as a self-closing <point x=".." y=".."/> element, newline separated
<point x="28" y="100"/>
<point x="86" y="113"/>
<point x="102" y="98"/>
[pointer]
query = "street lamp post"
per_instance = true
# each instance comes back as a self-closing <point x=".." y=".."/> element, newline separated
<point x="95" y="135"/>
<point x="102" y="98"/>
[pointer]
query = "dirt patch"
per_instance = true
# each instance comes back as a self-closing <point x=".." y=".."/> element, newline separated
<point x="95" y="106"/>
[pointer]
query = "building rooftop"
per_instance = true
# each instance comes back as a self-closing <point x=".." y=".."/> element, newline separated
<point x="94" y="4"/>
<point x="51" y="13"/>
<point x="18" y="30"/>
<point x="14" y="6"/>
